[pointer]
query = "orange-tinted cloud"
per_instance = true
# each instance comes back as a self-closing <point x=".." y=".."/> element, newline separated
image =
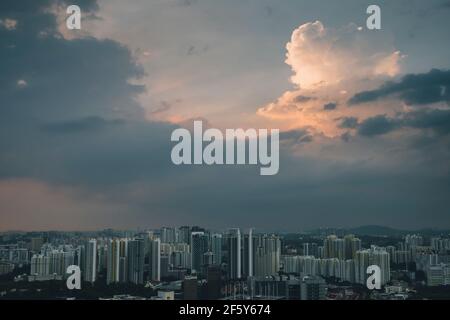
<point x="329" y="65"/>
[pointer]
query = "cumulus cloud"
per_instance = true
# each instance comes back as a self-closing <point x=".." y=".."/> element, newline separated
<point x="321" y="59"/>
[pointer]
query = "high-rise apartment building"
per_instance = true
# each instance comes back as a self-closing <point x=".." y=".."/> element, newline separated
<point x="113" y="261"/>
<point x="373" y="256"/>
<point x="267" y="256"/>
<point x="313" y="288"/>
<point x="248" y="254"/>
<point x="136" y="256"/>
<point x="310" y="249"/>
<point x="234" y="254"/>
<point x="155" y="259"/>
<point x="40" y="265"/>
<point x="168" y="235"/>
<point x="184" y="234"/>
<point x="214" y="284"/>
<point x="199" y="246"/>
<point x="36" y="244"/>
<point x="90" y="269"/>
<point x="216" y="248"/>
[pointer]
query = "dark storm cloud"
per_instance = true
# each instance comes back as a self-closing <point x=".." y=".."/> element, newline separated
<point x="377" y="125"/>
<point x="348" y="123"/>
<point x="330" y="106"/>
<point x="69" y="113"/>
<point x="74" y="121"/>
<point x="64" y="79"/>
<point x="438" y="121"/>
<point x="296" y="136"/>
<point x="444" y="5"/>
<point x="413" y="89"/>
<point x="302" y="98"/>
<point x="306" y="192"/>
<point x="84" y="124"/>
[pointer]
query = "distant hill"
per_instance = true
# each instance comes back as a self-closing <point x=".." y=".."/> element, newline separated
<point x="375" y="230"/>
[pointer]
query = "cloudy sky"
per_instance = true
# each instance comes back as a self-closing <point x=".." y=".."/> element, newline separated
<point x="86" y="115"/>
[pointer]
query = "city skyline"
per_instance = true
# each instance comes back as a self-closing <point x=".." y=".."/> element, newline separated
<point x="191" y="262"/>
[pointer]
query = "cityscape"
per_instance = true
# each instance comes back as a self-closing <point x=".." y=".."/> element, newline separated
<point x="193" y="263"/>
<point x="231" y="156"/>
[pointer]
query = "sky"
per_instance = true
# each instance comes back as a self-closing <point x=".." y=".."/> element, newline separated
<point x="86" y="115"/>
